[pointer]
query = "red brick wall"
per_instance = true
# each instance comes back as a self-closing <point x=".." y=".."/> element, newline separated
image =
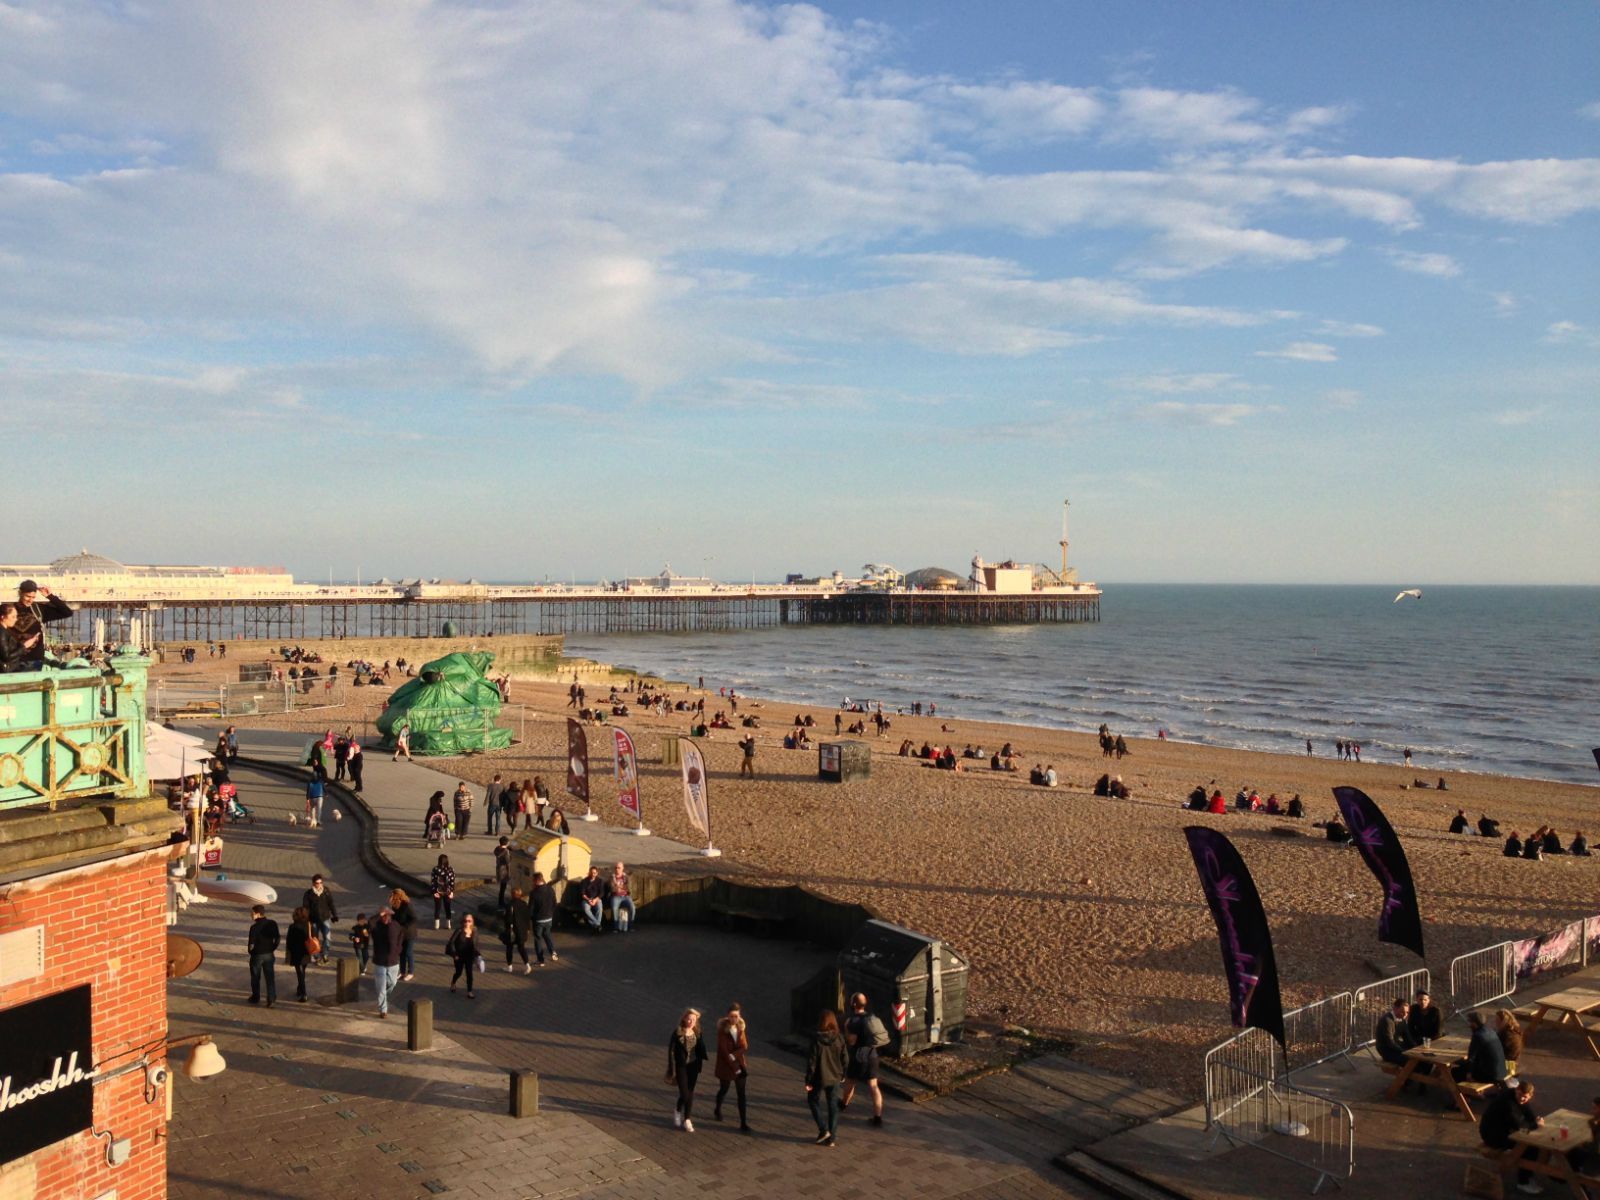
<point x="104" y="926"/>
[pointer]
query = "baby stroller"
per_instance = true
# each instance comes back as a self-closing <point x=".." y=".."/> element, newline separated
<point x="437" y="830"/>
<point x="231" y="808"/>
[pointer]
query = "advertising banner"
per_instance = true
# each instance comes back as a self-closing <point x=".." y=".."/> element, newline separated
<point x="577" y="762"/>
<point x="1400" y="921"/>
<point x="694" y="787"/>
<point x="46" y="1072"/>
<point x="1247" y="958"/>
<point x="627" y="771"/>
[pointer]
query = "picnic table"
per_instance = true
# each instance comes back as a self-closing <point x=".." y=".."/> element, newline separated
<point x="1562" y="1132"/>
<point x="1430" y="1065"/>
<point x="1570" y="1006"/>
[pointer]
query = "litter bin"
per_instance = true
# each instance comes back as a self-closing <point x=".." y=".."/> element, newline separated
<point x="840" y="762"/>
<point x="561" y="860"/>
<point x="915" y="984"/>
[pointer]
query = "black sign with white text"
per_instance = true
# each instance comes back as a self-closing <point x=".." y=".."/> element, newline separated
<point x="46" y="1072"/>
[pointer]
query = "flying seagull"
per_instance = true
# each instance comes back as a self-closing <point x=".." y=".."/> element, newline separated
<point x="1414" y="593"/>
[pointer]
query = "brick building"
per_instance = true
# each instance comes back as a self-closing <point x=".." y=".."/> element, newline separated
<point x="84" y="856"/>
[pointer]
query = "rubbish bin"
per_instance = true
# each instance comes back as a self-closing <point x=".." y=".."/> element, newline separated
<point x="561" y="860"/>
<point x="915" y="984"/>
<point x="840" y="762"/>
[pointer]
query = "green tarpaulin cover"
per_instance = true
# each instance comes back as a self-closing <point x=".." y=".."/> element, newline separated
<point x="450" y="706"/>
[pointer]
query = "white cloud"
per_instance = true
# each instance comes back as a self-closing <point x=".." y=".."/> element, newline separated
<point x="1505" y="303"/>
<point x="1217" y="415"/>
<point x="1569" y="333"/>
<point x="1190" y="118"/>
<point x="1512" y="417"/>
<point x="1418" y="262"/>
<point x="1317" y="352"/>
<point x="1591" y="111"/>
<point x="1170" y="383"/>
<point x="1349" y="329"/>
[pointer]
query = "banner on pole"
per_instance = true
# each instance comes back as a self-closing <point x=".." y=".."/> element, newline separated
<point x="694" y="787"/>
<point x="1247" y="958"/>
<point x="577" y="762"/>
<point x="1400" y="922"/>
<point x="627" y="771"/>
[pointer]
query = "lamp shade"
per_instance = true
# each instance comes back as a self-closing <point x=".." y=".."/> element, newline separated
<point x="204" y="1061"/>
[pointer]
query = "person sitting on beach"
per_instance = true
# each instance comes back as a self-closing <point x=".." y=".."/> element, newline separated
<point x="1458" y="823"/>
<point x="1036" y="776"/>
<point x="994" y="762"/>
<point x="1241" y="800"/>
<point x="906" y="748"/>
<point x="1533" y="846"/>
<point x="1297" y="808"/>
<point x="1488" y="828"/>
<point x="1552" y="843"/>
<point x="1218" y="804"/>
<point x="1049" y="776"/>
<point x="1336" y="831"/>
<point x="1513" y="847"/>
<point x="1441" y="785"/>
<point x="968" y="752"/>
<point x="1197" y="800"/>
<point x="1580" y="845"/>
<point x="927" y="751"/>
<point x="1119" y="790"/>
<point x="1273" y="808"/>
<point x="788" y="741"/>
<point x="1006" y="751"/>
<point x="1102" y="786"/>
<point x="1393" y="1036"/>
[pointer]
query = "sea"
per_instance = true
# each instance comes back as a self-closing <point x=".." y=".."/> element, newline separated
<point x="1492" y="679"/>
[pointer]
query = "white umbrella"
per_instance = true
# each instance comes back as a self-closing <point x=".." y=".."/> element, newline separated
<point x="170" y="754"/>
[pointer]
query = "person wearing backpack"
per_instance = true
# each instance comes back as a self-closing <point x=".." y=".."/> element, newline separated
<point x="865" y="1035"/>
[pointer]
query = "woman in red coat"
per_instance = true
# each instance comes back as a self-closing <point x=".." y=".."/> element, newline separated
<point x="732" y="1042"/>
<point x="1219" y="803"/>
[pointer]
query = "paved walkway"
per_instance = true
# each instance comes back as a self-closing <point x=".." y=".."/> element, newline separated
<point x="324" y="1101"/>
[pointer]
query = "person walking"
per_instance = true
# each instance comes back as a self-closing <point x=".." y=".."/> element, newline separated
<point x="361" y="941"/>
<point x="825" y="1071"/>
<point x="298" y="949"/>
<point x="388" y="940"/>
<point x="262" y="944"/>
<point x="318" y="902"/>
<point x="402" y="742"/>
<point x="463" y="951"/>
<point x="354" y="765"/>
<point x="405" y="916"/>
<point x="491" y="805"/>
<point x="516" y="929"/>
<point x="443" y="882"/>
<point x="463" y="806"/>
<point x="686" y="1054"/>
<point x="528" y="804"/>
<point x="542" y="904"/>
<point x="865" y="1035"/>
<point x="747" y="763"/>
<point x="731" y="1069"/>
<point x="341" y="756"/>
<point x="502" y="868"/>
<point x="314" y="792"/>
<point x="511" y="805"/>
<point x="434" y="816"/>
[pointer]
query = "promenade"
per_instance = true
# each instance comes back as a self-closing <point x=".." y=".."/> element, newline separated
<point x="324" y="1100"/>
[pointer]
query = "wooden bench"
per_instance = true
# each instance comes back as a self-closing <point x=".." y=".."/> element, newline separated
<point x="766" y="922"/>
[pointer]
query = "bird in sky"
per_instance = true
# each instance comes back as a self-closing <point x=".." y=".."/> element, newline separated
<point x="1413" y="593"/>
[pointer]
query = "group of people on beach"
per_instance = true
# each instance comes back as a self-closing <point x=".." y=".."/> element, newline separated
<point x="1247" y="800"/>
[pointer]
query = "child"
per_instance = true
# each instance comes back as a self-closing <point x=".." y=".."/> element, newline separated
<point x="361" y="939"/>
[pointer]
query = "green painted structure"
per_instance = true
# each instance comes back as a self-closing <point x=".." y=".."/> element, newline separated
<point x="73" y="731"/>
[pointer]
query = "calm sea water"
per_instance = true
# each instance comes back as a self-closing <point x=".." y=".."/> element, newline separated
<point x="1481" y="679"/>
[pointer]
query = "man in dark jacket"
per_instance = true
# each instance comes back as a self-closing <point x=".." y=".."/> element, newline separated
<point x="542" y="904"/>
<point x="1511" y="1111"/>
<point x="386" y="939"/>
<point x="1393" y="1035"/>
<point x="262" y="944"/>
<point x="593" y="894"/>
<point x="33" y="615"/>
<point x="1486" y="1057"/>
<point x="318" y="901"/>
<point x="1425" y="1019"/>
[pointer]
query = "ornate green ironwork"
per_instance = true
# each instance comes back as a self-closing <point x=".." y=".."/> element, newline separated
<point x="72" y="732"/>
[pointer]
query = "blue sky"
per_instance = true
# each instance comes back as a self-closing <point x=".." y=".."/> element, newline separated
<point x="1272" y="292"/>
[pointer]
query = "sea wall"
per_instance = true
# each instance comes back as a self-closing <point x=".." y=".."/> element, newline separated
<point x="521" y="655"/>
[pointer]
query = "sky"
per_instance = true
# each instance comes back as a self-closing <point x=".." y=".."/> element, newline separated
<point x="1277" y="293"/>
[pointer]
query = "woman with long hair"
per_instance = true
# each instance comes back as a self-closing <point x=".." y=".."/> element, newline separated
<point x="686" y="1054"/>
<point x="530" y="804"/>
<point x="297" y="949"/>
<point x="825" y="1071"/>
<point x="443" y="882"/>
<point x="731" y="1070"/>
<point x="405" y="916"/>
<point x="463" y="951"/>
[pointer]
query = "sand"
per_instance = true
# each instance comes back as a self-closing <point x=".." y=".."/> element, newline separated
<point x="1081" y="916"/>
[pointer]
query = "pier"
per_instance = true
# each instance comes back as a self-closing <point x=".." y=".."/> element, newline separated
<point x="571" y="612"/>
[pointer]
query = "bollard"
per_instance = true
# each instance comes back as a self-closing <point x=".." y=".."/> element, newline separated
<point x="524" y="1093"/>
<point x="419" y="1025"/>
<point x="348" y="988"/>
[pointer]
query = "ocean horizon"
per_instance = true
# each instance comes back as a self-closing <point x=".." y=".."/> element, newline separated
<point x="1487" y="678"/>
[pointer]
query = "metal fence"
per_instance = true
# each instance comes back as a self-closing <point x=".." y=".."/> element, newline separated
<point x="1482" y="977"/>
<point x="249" y="699"/>
<point x="1372" y="1001"/>
<point x="1250" y="1102"/>
<point x="1317" y="1033"/>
